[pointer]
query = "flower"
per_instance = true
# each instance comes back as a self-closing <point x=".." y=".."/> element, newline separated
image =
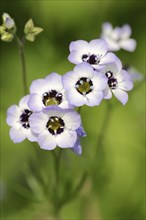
<point x="31" y="31"/>
<point x="84" y="85"/>
<point x="46" y="92"/>
<point x="18" y="119"/>
<point x="8" y="28"/>
<point x="118" y="38"/>
<point x="77" y="149"/>
<point x="119" y="81"/>
<point x="55" y="127"/>
<point x="94" y="53"/>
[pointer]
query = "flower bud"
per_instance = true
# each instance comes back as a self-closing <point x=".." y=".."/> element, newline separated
<point x="7" y="37"/>
<point x="31" y="31"/>
<point x="8" y="22"/>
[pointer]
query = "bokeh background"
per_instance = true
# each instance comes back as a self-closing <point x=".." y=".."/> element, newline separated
<point x="115" y="187"/>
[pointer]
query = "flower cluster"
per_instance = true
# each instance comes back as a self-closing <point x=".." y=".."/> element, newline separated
<point x="47" y="115"/>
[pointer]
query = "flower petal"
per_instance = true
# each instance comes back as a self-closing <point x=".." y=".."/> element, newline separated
<point x="108" y="58"/>
<point x="13" y="115"/>
<point x="69" y="80"/>
<point x="98" y="46"/>
<point x="75" y="57"/>
<point x="84" y="70"/>
<point x="94" y="98"/>
<point x="128" y="44"/>
<point x="54" y="81"/>
<point x="31" y="136"/>
<point x="80" y="45"/>
<point x="75" y="98"/>
<point x="106" y="29"/>
<point x="81" y="132"/>
<point x="17" y="135"/>
<point x="77" y="149"/>
<point x="72" y="120"/>
<point x="107" y="94"/>
<point x="66" y="139"/>
<point x="121" y="95"/>
<point x="125" y="31"/>
<point x="39" y="86"/>
<point x="99" y="81"/>
<point x="23" y="102"/>
<point x="38" y="122"/>
<point x="46" y="140"/>
<point x="35" y="102"/>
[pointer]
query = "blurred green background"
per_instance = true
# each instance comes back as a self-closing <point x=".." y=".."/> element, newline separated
<point x="115" y="188"/>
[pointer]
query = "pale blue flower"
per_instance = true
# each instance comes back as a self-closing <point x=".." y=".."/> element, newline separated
<point x="84" y="86"/>
<point x="119" y="81"/>
<point x="55" y="127"/>
<point x="18" y="119"/>
<point x="93" y="52"/>
<point x="46" y="92"/>
<point x="118" y="38"/>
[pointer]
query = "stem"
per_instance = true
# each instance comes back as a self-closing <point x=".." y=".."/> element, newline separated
<point x="20" y="44"/>
<point x="103" y="128"/>
<point x="79" y="109"/>
<point x="56" y="199"/>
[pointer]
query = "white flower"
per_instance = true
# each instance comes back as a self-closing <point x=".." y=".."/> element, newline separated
<point x="55" y="127"/>
<point x="119" y="81"/>
<point x="18" y="119"/>
<point x="84" y="86"/>
<point x="94" y="53"/>
<point x="46" y="92"/>
<point x="118" y="38"/>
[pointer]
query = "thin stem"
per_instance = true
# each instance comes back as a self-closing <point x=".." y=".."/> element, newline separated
<point x="104" y="127"/>
<point x="57" y="160"/>
<point x="79" y="109"/>
<point x="20" y="44"/>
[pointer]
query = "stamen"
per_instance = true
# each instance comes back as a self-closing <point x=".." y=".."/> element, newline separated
<point x="84" y="86"/>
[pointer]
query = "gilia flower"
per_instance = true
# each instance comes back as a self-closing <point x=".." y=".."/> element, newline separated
<point x="55" y="127"/>
<point x="84" y="85"/>
<point x="118" y="38"/>
<point x="119" y="81"/>
<point x="18" y="119"/>
<point x="94" y="53"/>
<point x="46" y="92"/>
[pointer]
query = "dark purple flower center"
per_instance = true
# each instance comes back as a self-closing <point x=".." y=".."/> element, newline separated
<point x="24" y="118"/>
<point x="52" y="98"/>
<point x="84" y="85"/>
<point x="112" y="82"/>
<point x="91" y="59"/>
<point x="55" y="125"/>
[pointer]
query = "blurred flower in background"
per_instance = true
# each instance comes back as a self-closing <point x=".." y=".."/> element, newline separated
<point x="118" y="38"/>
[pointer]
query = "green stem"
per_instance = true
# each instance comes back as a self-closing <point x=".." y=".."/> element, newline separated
<point x="57" y="160"/>
<point x="20" y="44"/>
<point x="103" y="128"/>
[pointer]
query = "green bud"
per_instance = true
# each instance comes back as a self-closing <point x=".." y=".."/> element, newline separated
<point x="37" y="30"/>
<point x="7" y="37"/>
<point x="30" y="37"/>
<point x="31" y="31"/>
<point x="29" y="27"/>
